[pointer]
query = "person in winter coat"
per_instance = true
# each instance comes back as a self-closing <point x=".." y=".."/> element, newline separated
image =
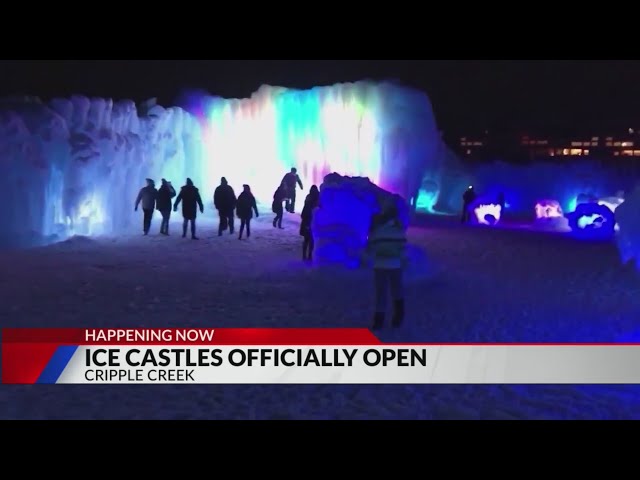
<point x="277" y="207"/>
<point x="224" y="199"/>
<point x="245" y="207"/>
<point x="148" y="197"/>
<point x="166" y="193"/>
<point x="386" y="245"/>
<point x="310" y="203"/>
<point x="467" y="199"/>
<point x="190" y="197"/>
<point x="289" y="182"/>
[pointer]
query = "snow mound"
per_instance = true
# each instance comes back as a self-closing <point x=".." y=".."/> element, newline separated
<point x="592" y="221"/>
<point x="341" y="224"/>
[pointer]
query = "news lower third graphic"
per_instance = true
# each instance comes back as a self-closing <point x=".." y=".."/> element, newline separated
<point x="297" y="356"/>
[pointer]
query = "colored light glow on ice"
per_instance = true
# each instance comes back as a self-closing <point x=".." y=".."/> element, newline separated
<point x="91" y="216"/>
<point x="256" y="141"/>
<point x="84" y="160"/>
<point x="548" y="209"/>
<point x="611" y="202"/>
<point x="572" y="204"/>
<point x="588" y="220"/>
<point x="488" y="214"/>
<point x="426" y="200"/>
<point x="360" y="129"/>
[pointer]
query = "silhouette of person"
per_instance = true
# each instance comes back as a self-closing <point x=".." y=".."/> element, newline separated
<point x="290" y="181"/>
<point x="278" y="198"/>
<point x="163" y="204"/>
<point x="245" y="207"/>
<point x="310" y="203"/>
<point x="386" y="244"/>
<point x="190" y="197"/>
<point x="147" y="196"/>
<point x="467" y="199"/>
<point x="224" y="199"/>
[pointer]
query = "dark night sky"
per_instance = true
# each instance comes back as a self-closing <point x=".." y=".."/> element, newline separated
<point x="466" y="95"/>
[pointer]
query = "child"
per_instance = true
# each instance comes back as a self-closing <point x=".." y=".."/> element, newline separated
<point x="245" y="206"/>
<point x="386" y="245"/>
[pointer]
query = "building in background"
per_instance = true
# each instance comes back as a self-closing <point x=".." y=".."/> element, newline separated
<point x="521" y="147"/>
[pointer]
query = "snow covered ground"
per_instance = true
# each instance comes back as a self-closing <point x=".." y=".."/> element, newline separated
<point x="492" y="285"/>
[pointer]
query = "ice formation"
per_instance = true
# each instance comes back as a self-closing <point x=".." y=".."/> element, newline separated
<point x="341" y="224"/>
<point x="592" y="221"/>
<point x="75" y="166"/>
<point x="444" y="183"/>
<point x="628" y="235"/>
<point x="613" y="202"/>
<point x="568" y="184"/>
<point x="488" y="214"/>
<point x="548" y="209"/>
<point x="377" y="130"/>
<point x="484" y="211"/>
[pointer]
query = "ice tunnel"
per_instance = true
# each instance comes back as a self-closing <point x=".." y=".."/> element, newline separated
<point x="75" y="165"/>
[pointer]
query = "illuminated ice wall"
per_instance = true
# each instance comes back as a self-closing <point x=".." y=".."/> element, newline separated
<point x="376" y="130"/>
<point x="74" y="166"/>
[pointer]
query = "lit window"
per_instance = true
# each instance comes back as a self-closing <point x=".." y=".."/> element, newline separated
<point x="609" y="144"/>
<point x="627" y="144"/>
<point x="468" y="152"/>
<point x="463" y="139"/>
<point x="636" y="153"/>
<point x="576" y="151"/>
<point x="565" y="151"/>
<point x="617" y="144"/>
<point x="542" y="142"/>
<point x="595" y="139"/>
<point x="615" y="154"/>
<point x="559" y="151"/>
<point x="585" y="152"/>
<point x="551" y="152"/>
<point x="631" y="131"/>
<point x="594" y="144"/>
<point x="477" y="144"/>
<point x="464" y="144"/>
<point x="627" y="153"/>
<point x="609" y="139"/>
<point x="576" y="144"/>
